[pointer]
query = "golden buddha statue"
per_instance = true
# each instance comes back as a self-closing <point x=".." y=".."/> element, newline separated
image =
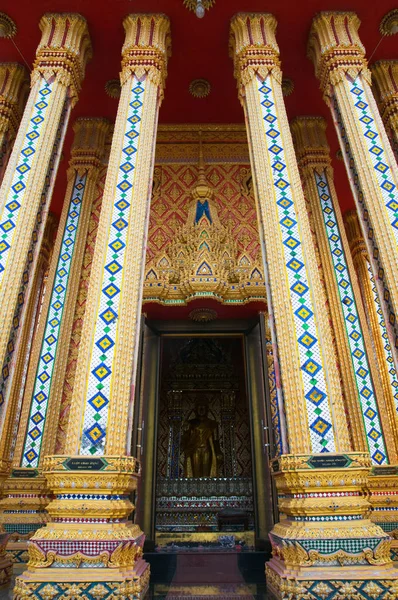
<point x="200" y="444"/>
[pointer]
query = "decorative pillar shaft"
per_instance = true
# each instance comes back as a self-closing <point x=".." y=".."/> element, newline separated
<point x="14" y="88"/>
<point x="383" y="482"/>
<point x="81" y="301"/>
<point x="26" y="189"/>
<point x="16" y="546"/>
<point x="26" y="488"/>
<point x="93" y="483"/>
<point x="372" y="429"/>
<point x="321" y="483"/>
<point x="307" y="361"/>
<point x="385" y="79"/>
<point x="340" y="65"/>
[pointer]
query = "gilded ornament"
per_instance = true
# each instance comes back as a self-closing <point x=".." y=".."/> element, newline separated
<point x="203" y="315"/>
<point x="112" y="88"/>
<point x="8" y="29"/>
<point x="191" y="4"/>
<point x="389" y="23"/>
<point x="199" y="88"/>
<point x="287" y="86"/>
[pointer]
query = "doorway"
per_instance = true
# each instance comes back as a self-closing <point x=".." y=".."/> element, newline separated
<point x="202" y="434"/>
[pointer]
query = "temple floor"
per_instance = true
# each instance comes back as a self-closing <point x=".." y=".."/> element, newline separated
<point x="199" y="576"/>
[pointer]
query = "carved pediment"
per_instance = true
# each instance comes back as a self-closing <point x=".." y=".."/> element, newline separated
<point x="203" y="259"/>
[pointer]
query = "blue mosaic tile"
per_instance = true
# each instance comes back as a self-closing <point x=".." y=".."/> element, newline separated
<point x="45" y="369"/>
<point x="366" y="395"/>
<point x="100" y="377"/>
<point x="306" y="328"/>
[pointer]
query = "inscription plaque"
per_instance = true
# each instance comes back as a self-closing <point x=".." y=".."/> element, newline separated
<point x="24" y="473"/>
<point x="329" y="461"/>
<point x="85" y="464"/>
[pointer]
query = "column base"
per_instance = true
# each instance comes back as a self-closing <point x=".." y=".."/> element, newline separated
<point x="104" y="584"/>
<point x="23" y="510"/>
<point x="383" y="487"/>
<point x="339" y="583"/>
<point x="325" y="546"/>
<point x="17" y="552"/>
<point x="5" y="560"/>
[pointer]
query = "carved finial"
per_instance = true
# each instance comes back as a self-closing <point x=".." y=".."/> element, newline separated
<point x="202" y="189"/>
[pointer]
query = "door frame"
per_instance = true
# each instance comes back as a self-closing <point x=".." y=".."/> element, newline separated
<point x="146" y="405"/>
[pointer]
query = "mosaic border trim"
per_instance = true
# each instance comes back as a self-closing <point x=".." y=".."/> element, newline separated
<point x="15" y="196"/>
<point x="99" y="384"/>
<point x="384" y="335"/>
<point x="363" y="379"/>
<point x="362" y="210"/>
<point x="36" y="236"/>
<point x="45" y="369"/>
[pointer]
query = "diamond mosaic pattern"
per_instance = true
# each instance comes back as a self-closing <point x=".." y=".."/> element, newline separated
<point x="106" y="329"/>
<point x="36" y="235"/>
<point x="312" y="371"/>
<point x="379" y="158"/>
<point x="363" y="213"/>
<point x="386" y="343"/>
<point x="41" y="393"/>
<point x="355" y="338"/>
<point x="16" y="193"/>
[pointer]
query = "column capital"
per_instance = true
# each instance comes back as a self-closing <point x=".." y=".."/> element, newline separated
<point x="89" y="144"/>
<point x="14" y="88"/>
<point x="385" y="78"/>
<point x="64" y="50"/>
<point x="146" y="48"/>
<point x="253" y="47"/>
<point x="354" y="233"/>
<point x="335" y="48"/>
<point x="310" y="143"/>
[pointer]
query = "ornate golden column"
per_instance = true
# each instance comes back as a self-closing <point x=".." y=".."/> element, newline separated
<point x="25" y="490"/>
<point x="14" y="88"/>
<point x="321" y="481"/>
<point x="383" y="483"/>
<point x="340" y="64"/>
<point x="385" y="79"/>
<point x="92" y="483"/>
<point x="26" y="189"/>
<point x="370" y="416"/>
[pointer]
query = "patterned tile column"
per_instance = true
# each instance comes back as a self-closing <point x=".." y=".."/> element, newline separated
<point x="340" y="64"/>
<point x="26" y="189"/>
<point x="321" y="483"/>
<point x="370" y="424"/>
<point x="14" y="88"/>
<point x="383" y="483"/>
<point x="93" y="482"/>
<point x="26" y="488"/>
<point x="27" y="185"/>
<point x="385" y="80"/>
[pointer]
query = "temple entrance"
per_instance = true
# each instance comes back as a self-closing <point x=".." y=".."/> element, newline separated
<point x="204" y="438"/>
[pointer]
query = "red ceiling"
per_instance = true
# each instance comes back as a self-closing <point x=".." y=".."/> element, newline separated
<point x="199" y="49"/>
